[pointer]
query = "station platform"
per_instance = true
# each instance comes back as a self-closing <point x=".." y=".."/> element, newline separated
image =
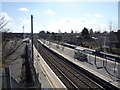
<point x="46" y="76"/>
<point x="43" y="79"/>
<point x="101" y="73"/>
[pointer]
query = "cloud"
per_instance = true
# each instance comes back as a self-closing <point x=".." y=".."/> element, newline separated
<point x="88" y="14"/>
<point x="94" y="15"/>
<point x="27" y="24"/>
<point x="49" y="11"/>
<point x="35" y="10"/>
<point x="25" y="21"/>
<point x="24" y="9"/>
<point x="6" y="17"/>
<point x="76" y="24"/>
<point x="18" y="27"/>
<point x="98" y="15"/>
<point x="68" y="23"/>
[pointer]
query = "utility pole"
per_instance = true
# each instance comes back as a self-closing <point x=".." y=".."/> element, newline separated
<point x="32" y="36"/>
<point x="23" y="32"/>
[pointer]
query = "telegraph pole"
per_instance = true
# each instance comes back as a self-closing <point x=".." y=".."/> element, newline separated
<point x="32" y="36"/>
<point x="23" y="32"/>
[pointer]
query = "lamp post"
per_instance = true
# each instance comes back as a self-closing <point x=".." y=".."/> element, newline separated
<point x="32" y="36"/>
<point x="23" y="32"/>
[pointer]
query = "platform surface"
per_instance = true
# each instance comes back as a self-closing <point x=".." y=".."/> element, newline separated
<point x="45" y="83"/>
<point x="47" y="77"/>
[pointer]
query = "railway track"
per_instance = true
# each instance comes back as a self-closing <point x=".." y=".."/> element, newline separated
<point x="59" y="73"/>
<point x="68" y="74"/>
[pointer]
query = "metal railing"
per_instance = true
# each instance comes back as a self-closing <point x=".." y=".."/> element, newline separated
<point x="8" y="81"/>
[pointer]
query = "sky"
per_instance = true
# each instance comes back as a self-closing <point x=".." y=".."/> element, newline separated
<point x="63" y="16"/>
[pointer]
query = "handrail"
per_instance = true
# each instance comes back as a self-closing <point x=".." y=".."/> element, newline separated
<point x="8" y="81"/>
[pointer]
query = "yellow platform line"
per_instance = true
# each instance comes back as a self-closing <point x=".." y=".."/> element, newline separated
<point x="43" y="69"/>
<point x="46" y="77"/>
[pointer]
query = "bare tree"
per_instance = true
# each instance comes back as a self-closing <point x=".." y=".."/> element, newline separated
<point x="59" y="31"/>
<point x="8" y="47"/>
<point x="3" y="23"/>
<point x="112" y="26"/>
<point x="112" y="36"/>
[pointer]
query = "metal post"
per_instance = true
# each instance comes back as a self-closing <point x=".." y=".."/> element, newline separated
<point x="76" y="42"/>
<point x="23" y="32"/>
<point x="9" y="84"/>
<point x="96" y="62"/>
<point x="89" y="58"/>
<point x="28" y="74"/>
<point x="104" y="64"/>
<point x="114" y="66"/>
<point x="32" y="36"/>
